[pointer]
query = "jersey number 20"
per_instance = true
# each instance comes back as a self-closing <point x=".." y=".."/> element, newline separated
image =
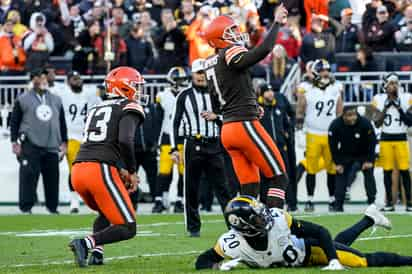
<point x="97" y="119"/>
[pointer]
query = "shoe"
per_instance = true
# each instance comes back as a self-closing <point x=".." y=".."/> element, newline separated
<point x="331" y="207"/>
<point x="309" y="206"/>
<point x="80" y="251"/>
<point x="194" y="234"/>
<point x="347" y="196"/>
<point x="334" y="265"/>
<point x="378" y="218"/>
<point x="408" y="207"/>
<point x="26" y="212"/>
<point x="338" y="208"/>
<point x="96" y="258"/>
<point x="54" y="212"/>
<point x="178" y="207"/>
<point x="158" y="207"/>
<point x="74" y="211"/>
<point x="388" y="208"/>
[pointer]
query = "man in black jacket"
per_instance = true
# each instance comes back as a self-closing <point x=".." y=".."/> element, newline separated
<point x="352" y="142"/>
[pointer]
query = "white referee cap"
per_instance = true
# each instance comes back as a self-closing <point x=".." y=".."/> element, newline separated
<point x="198" y="65"/>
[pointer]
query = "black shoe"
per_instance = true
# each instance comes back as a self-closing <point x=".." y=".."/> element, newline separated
<point x="178" y="207"/>
<point x="194" y="234"/>
<point x="54" y="212"/>
<point x="408" y="207"/>
<point x="309" y="206"/>
<point x="74" y="210"/>
<point x="331" y="207"/>
<point x="388" y="208"/>
<point x="26" y="212"/>
<point x="338" y="208"/>
<point x="292" y="208"/>
<point x="347" y="196"/>
<point x="79" y="248"/>
<point x="158" y="207"/>
<point x="96" y="258"/>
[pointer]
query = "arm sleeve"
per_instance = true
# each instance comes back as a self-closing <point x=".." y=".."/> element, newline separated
<point x="63" y="126"/>
<point x="239" y="58"/>
<point x="303" y="229"/>
<point x="208" y="259"/>
<point x="16" y="117"/>
<point x="176" y="119"/>
<point x="127" y="129"/>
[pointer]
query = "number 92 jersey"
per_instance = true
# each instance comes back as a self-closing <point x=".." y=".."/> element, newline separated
<point x="101" y="133"/>
<point x="233" y="245"/>
<point x="320" y="106"/>
<point x="392" y="123"/>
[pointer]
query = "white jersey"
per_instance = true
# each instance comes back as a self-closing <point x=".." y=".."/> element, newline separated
<point x="321" y="107"/>
<point x="233" y="245"/>
<point x="392" y="123"/>
<point x="76" y="107"/>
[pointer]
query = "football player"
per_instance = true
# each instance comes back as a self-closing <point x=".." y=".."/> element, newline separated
<point x="248" y="144"/>
<point x="179" y="79"/>
<point x="393" y="114"/>
<point x="105" y="167"/>
<point x="263" y="238"/>
<point x="76" y="100"/>
<point x="318" y="105"/>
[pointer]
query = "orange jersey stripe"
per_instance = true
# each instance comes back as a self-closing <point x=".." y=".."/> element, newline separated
<point x="232" y="52"/>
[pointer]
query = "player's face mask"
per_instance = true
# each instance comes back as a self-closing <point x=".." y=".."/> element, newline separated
<point x="324" y="79"/>
<point x="232" y="34"/>
<point x="76" y="84"/>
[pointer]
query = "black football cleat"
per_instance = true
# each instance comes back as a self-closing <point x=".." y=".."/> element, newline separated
<point x="178" y="207"/>
<point x="158" y="207"/>
<point x="309" y="206"/>
<point x="80" y="251"/>
<point x="96" y="258"/>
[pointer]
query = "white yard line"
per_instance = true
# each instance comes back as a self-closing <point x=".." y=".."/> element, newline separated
<point x="385" y="237"/>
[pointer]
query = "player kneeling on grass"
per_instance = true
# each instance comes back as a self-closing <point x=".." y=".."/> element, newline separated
<point x="104" y="170"/>
<point x="261" y="238"/>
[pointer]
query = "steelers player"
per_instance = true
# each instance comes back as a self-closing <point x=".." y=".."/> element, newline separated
<point x="393" y="113"/>
<point x="76" y="100"/>
<point x="318" y="105"/>
<point x="179" y="79"/>
<point x="263" y="238"/>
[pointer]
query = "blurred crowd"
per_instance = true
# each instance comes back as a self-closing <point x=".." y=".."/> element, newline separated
<point x="153" y="36"/>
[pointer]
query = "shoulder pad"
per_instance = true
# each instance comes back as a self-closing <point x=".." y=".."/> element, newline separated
<point x="133" y="107"/>
<point x="234" y="53"/>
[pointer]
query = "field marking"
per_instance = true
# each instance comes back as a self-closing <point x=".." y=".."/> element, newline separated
<point x="164" y="254"/>
<point x="385" y="237"/>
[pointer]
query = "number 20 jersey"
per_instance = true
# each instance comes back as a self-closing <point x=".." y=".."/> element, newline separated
<point x="320" y="107"/>
<point x="101" y="143"/>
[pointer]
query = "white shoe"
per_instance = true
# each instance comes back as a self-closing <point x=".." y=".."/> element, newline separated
<point x="334" y="265"/>
<point x="378" y="218"/>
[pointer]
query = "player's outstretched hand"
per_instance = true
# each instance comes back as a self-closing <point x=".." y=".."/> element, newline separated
<point x="281" y="14"/>
<point x="133" y="183"/>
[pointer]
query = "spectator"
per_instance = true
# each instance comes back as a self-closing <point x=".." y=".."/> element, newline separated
<point x="12" y="55"/>
<point x="280" y="67"/>
<point x="18" y="28"/>
<point x="137" y="43"/>
<point x="320" y="43"/>
<point x="5" y="7"/>
<point x="352" y="143"/>
<point x="348" y="40"/>
<point x="290" y="38"/>
<point x="369" y="16"/>
<point x="135" y="8"/>
<point x="53" y="86"/>
<point x="404" y="37"/>
<point x="171" y="44"/>
<point x="95" y="13"/>
<point x="33" y="6"/>
<point x="121" y="21"/>
<point x="365" y="61"/>
<point x="407" y="16"/>
<point x="336" y="7"/>
<point x="379" y="35"/>
<point x="315" y="7"/>
<point x="157" y="8"/>
<point x="72" y="19"/>
<point x="38" y="42"/>
<point x="34" y="113"/>
<point x="187" y="14"/>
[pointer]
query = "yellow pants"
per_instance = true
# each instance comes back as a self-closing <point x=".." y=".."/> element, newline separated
<point x="346" y="257"/>
<point x="73" y="147"/>
<point x="166" y="162"/>
<point x="394" y="154"/>
<point x="317" y="147"/>
<point x="321" y="164"/>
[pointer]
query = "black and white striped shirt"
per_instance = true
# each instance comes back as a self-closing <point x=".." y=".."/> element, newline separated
<point x="190" y="103"/>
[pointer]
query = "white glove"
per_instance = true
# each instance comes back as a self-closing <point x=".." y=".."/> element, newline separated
<point x="108" y="56"/>
<point x="334" y="265"/>
<point x="229" y="265"/>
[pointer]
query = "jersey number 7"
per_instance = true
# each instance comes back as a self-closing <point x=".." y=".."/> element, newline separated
<point x="211" y="76"/>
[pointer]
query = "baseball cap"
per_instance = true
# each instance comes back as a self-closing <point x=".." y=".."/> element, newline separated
<point x="265" y="87"/>
<point x="72" y="74"/>
<point x="346" y="12"/>
<point x="37" y="72"/>
<point x="382" y="9"/>
<point x="198" y="65"/>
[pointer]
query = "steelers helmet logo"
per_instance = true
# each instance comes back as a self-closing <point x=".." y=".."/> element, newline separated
<point x="44" y="113"/>
<point x="233" y="220"/>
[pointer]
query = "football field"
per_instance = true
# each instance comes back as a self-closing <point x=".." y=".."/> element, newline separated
<point x="38" y="244"/>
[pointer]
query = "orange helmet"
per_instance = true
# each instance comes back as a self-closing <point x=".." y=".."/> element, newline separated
<point x="223" y="32"/>
<point x="124" y="82"/>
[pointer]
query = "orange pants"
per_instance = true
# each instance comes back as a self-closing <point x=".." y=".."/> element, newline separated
<point x="251" y="148"/>
<point x="102" y="190"/>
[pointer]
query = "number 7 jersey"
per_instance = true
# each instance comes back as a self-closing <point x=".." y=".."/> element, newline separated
<point x="320" y="106"/>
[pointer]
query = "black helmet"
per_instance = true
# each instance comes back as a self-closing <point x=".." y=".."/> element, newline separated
<point x="317" y="67"/>
<point x="178" y="78"/>
<point x="248" y="216"/>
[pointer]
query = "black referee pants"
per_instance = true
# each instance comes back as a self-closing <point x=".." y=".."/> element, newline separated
<point x="204" y="157"/>
<point x="33" y="162"/>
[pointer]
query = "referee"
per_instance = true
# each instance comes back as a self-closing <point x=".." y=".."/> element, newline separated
<point x="203" y="152"/>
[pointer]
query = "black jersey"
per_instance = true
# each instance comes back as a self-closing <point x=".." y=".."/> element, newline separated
<point x="102" y="130"/>
<point x="229" y="78"/>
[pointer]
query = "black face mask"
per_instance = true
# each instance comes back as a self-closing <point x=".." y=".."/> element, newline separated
<point x="77" y="89"/>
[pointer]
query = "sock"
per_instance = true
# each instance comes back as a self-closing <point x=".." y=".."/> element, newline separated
<point x="90" y="243"/>
<point x="387" y="259"/>
<point x="98" y="249"/>
<point x="276" y="191"/>
<point x="179" y="199"/>
<point x="348" y="236"/>
<point x="387" y="180"/>
<point x="331" y="199"/>
<point x="74" y="200"/>
<point x="158" y="199"/>
<point x="310" y="198"/>
<point x="331" y="184"/>
<point x="406" y="181"/>
<point x="165" y="199"/>
<point x="310" y="184"/>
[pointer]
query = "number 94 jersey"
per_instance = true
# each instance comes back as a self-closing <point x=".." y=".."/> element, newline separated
<point x="101" y="132"/>
<point x="320" y="107"/>
<point x="233" y="245"/>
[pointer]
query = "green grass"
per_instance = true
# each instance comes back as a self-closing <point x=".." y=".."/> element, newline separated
<point x="162" y="248"/>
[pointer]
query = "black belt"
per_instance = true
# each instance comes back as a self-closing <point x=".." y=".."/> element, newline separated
<point x="203" y="139"/>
